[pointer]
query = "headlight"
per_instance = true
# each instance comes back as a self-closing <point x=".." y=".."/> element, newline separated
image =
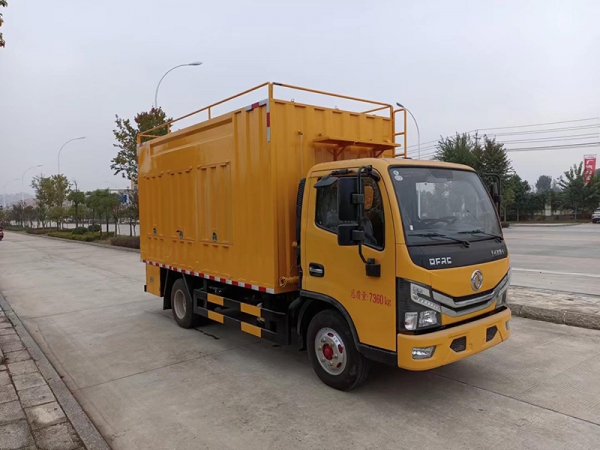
<point x="502" y="294"/>
<point x="427" y="319"/>
<point x="425" y="311"/>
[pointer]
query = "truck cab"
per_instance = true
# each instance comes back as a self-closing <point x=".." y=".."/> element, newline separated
<point x="412" y="253"/>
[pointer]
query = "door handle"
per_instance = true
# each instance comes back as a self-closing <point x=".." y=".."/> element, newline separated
<point x="316" y="270"/>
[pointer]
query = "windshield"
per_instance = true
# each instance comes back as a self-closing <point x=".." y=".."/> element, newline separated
<point x="437" y="204"/>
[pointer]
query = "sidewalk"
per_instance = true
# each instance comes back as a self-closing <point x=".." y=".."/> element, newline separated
<point x="578" y="310"/>
<point x="30" y="414"/>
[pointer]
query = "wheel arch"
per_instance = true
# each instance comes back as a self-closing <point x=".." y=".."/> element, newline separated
<point x="313" y="304"/>
<point x="167" y="279"/>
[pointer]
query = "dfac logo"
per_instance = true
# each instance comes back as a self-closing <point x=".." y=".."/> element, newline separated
<point x="443" y="261"/>
<point x="476" y="280"/>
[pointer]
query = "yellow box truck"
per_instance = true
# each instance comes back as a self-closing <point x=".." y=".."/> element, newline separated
<point x="301" y="223"/>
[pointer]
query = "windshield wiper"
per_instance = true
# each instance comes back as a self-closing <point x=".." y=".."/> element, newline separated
<point x="434" y="235"/>
<point x="496" y="236"/>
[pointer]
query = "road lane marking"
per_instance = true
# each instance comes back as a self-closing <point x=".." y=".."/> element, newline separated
<point x="551" y="272"/>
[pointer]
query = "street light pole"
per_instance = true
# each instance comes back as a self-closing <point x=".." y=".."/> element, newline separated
<point x="418" y="153"/>
<point x="193" y="64"/>
<point x="23" y="178"/>
<point x="418" y="131"/>
<point x="63" y="146"/>
<point x="7" y="183"/>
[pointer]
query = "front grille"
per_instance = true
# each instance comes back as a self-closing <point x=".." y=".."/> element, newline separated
<point x="459" y="344"/>
<point x="490" y="333"/>
<point x="465" y="298"/>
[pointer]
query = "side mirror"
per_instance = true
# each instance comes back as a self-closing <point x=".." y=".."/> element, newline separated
<point x="349" y="199"/>
<point x="348" y="234"/>
<point x="496" y="197"/>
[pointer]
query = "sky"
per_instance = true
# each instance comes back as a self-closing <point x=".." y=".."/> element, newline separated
<point x="70" y="66"/>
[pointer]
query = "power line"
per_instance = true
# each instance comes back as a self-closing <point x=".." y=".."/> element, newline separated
<point x="549" y="130"/>
<point x="552" y="139"/>
<point x="511" y="127"/>
<point x="539" y="148"/>
<point x="553" y="147"/>
<point x="539" y="124"/>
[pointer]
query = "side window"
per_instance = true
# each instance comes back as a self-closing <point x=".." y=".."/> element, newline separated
<point x="326" y="215"/>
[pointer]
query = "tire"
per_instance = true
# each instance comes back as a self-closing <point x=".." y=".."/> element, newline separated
<point x="333" y="354"/>
<point x="182" y="305"/>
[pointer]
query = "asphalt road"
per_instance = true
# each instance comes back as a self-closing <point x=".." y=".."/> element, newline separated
<point x="565" y="258"/>
<point x="148" y="384"/>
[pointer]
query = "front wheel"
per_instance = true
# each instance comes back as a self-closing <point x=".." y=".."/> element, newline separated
<point x="333" y="354"/>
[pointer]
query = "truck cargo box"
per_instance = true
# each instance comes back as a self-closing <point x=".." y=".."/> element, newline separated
<point x="218" y="199"/>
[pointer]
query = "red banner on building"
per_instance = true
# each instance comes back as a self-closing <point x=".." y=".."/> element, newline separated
<point x="589" y="167"/>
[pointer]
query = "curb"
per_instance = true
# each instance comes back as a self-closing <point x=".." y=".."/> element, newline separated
<point x="94" y="244"/>
<point x="590" y="321"/>
<point x="556" y="225"/>
<point x="86" y="430"/>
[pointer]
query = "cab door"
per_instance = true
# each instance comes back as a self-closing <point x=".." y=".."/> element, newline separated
<point x="338" y="271"/>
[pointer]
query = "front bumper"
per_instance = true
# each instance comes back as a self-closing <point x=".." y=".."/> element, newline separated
<point x="476" y="341"/>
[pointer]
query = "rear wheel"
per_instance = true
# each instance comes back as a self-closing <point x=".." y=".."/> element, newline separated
<point x="182" y="305"/>
<point x="333" y="354"/>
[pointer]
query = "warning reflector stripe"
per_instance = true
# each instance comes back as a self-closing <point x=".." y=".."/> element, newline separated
<point x="251" y="329"/>
<point x="216" y="316"/>
<point x="215" y="299"/>
<point x="250" y="309"/>
<point x="211" y="277"/>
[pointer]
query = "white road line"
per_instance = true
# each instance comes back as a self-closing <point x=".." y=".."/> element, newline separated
<point x="589" y="275"/>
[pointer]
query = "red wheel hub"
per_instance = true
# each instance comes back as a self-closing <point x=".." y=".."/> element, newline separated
<point x="328" y="352"/>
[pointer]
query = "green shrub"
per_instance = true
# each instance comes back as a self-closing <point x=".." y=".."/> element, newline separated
<point x="80" y="230"/>
<point x="126" y="241"/>
<point x="15" y="228"/>
<point x="95" y="227"/>
<point x="87" y="237"/>
<point x="40" y="230"/>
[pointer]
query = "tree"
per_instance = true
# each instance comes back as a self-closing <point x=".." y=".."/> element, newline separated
<point x="555" y="200"/>
<point x="485" y="159"/>
<point x="102" y="202"/>
<point x="77" y="198"/>
<point x="522" y="195"/>
<point x="57" y="214"/>
<point x="41" y="215"/>
<point x="4" y="4"/>
<point x="44" y="194"/>
<point x="458" y="149"/>
<point x="62" y="187"/>
<point x="132" y="212"/>
<point x="51" y="192"/>
<point x="17" y="212"/>
<point x="576" y="194"/>
<point x="543" y="184"/>
<point x="125" y="163"/>
<point x="492" y="159"/>
<point x="29" y="214"/>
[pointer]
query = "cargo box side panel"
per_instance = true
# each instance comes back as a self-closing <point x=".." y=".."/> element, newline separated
<point x="253" y="200"/>
<point x="294" y="127"/>
<point x="211" y="205"/>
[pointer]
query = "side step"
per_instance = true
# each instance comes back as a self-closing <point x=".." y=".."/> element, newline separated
<point x="206" y="303"/>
